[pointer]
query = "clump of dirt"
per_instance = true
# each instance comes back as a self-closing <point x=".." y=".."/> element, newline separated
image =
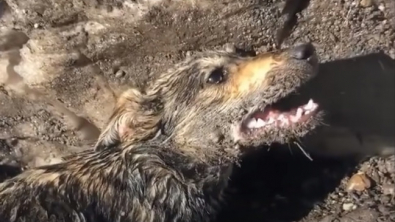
<point x="63" y="62"/>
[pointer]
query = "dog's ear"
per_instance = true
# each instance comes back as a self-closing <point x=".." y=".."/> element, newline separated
<point x="136" y="118"/>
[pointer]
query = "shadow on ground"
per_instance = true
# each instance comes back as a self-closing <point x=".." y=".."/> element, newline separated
<point x="282" y="184"/>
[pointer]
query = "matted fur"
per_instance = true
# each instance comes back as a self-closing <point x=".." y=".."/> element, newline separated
<point x="167" y="153"/>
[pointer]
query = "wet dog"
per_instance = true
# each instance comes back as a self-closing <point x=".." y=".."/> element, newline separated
<point x="168" y="150"/>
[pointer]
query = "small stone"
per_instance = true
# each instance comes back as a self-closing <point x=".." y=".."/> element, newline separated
<point x="120" y="73"/>
<point x="348" y="206"/>
<point x="188" y="53"/>
<point x="358" y="182"/>
<point x="388" y="189"/>
<point x="36" y="25"/>
<point x="366" y="3"/>
<point x="150" y="58"/>
<point x="375" y="176"/>
<point x="381" y="7"/>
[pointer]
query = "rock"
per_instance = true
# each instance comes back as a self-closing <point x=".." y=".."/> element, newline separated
<point x="348" y="206"/>
<point x="388" y="189"/>
<point x="358" y="182"/>
<point x="366" y="3"/>
<point x="120" y="73"/>
<point x="381" y="7"/>
<point x="360" y="215"/>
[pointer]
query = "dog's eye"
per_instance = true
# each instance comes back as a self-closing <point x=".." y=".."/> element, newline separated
<point x="217" y="76"/>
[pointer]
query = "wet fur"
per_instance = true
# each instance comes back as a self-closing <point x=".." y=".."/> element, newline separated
<point x="167" y="153"/>
<point x="138" y="183"/>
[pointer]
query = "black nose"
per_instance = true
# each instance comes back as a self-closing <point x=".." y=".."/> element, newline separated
<point x="303" y="52"/>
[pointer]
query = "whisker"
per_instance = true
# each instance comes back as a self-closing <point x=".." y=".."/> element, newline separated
<point x="322" y="122"/>
<point x="304" y="152"/>
<point x="289" y="148"/>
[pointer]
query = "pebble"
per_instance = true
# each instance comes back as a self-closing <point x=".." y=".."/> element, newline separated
<point x="348" y="206"/>
<point x="366" y="3"/>
<point x="381" y="7"/>
<point x="388" y="189"/>
<point x="358" y="182"/>
<point x="120" y="73"/>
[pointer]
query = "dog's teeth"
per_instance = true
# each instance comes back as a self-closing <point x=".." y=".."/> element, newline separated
<point x="310" y="105"/>
<point x="256" y="123"/>
<point x="260" y="123"/>
<point x="271" y="120"/>
<point x="252" y="123"/>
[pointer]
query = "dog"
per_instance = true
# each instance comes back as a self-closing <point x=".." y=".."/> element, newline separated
<point x="168" y="150"/>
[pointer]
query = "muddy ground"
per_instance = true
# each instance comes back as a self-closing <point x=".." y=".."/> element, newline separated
<point x="62" y="63"/>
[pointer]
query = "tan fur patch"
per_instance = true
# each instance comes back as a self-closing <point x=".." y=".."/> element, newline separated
<point x="252" y="74"/>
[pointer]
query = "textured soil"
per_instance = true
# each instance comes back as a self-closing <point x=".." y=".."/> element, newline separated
<point x="56" y="93"/>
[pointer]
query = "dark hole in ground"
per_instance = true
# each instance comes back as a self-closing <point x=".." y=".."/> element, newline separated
<point x="278" y="185"/>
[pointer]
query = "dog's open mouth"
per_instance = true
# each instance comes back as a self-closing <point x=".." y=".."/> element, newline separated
<point x="270" y="116"/>
<point x="281" y="114"/>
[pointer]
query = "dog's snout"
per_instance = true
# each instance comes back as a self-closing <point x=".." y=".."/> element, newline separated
<point x="303" y="52"/>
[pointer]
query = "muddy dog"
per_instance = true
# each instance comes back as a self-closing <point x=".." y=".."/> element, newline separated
<point x="168" y="150"/>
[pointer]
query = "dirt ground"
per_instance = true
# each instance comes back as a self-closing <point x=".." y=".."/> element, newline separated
<point x="63" y="62"/>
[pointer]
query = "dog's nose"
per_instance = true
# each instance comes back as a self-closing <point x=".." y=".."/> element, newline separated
<point x="303" y="52"/>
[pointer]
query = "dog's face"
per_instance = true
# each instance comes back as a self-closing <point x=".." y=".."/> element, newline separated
<point x="220" y="99"/>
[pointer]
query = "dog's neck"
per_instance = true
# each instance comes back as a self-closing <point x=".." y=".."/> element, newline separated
<point x="210" y="178"/>
<point x="191" y="167"/>
<point x="205" y="154"/>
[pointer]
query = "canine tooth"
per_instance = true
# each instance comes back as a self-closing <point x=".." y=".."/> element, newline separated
<point x="307" y="112"/>
<point x="260" y="123"/>
<point x="310" y="105"/>
<point x="252" y="123"/>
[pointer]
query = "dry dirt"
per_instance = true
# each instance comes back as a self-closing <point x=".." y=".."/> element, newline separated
<point x="63" y="62"/>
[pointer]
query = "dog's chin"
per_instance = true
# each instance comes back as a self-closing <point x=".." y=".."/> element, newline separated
<point x="277" y="123"/>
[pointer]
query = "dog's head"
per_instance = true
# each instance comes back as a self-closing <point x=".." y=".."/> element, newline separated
<point x="218" y="103"/>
